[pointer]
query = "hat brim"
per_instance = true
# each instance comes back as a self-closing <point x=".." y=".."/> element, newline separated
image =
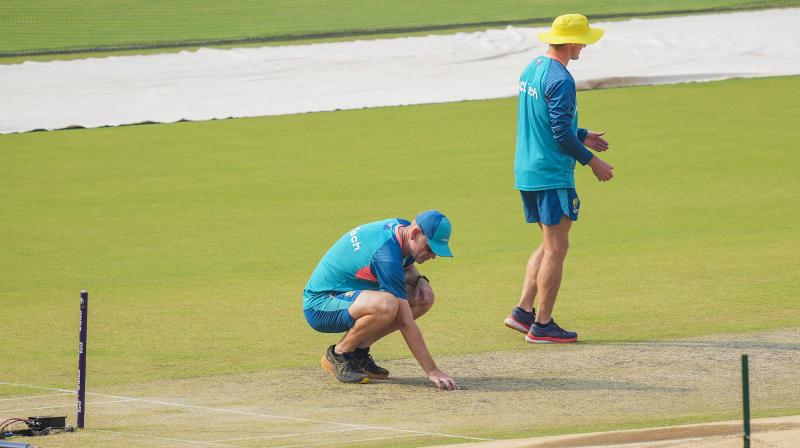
<point x="590" y="37"/>
<point x="440" y="249"/>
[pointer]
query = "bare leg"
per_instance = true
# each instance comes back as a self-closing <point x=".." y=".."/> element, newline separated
<point x="529" y="287"/>
<point x="373" y="311"/>
<point x="554" y="246"/>
<point x="417" y="309"/>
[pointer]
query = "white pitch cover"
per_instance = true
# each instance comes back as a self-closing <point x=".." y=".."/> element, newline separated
<point x="248" y="82"/>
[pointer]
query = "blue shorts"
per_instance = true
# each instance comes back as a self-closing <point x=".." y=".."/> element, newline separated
<point x="328" y="312"/>
<point x="548" y="206"/>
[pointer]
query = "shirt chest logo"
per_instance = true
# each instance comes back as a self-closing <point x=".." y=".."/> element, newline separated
<point x="354" y="239"/>
<point x="530" y="90"/>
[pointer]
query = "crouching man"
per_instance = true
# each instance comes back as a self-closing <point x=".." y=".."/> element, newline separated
<point x="367" y="286"/>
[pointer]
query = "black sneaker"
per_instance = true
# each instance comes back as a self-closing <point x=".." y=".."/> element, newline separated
<point x="342" y="367"/>
<point x="549" y="334"/>
<point x="363" y="360"/>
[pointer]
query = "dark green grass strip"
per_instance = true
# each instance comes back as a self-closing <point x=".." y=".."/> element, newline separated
<point x="72" y="26"/>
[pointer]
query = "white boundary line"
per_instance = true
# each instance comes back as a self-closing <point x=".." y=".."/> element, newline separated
<point x="286" y="436"/>
<point x="37" y="396"/>
<point x="253" y="414"/>
<point x="281" y="417"/>
<point x="38" y="387"/>
<point x="166" y="439"/>
<point x="2" y="411"/>
<point x="349" y="441"/>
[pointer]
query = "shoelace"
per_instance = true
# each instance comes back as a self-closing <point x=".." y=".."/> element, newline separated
<point x="368" y="361"/>
<point x="352" y="364"/>
<point x="558" y="329"/>
<point x="341" y="367"/>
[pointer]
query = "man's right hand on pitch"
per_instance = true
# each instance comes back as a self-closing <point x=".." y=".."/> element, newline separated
<point x="442" y="380"/>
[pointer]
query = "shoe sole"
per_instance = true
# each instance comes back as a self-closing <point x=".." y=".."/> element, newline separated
<point x="376" y="376"/>
<point x="549" y="340"/>
<point x="514" y="325"/>
<point x="330" y="369"/>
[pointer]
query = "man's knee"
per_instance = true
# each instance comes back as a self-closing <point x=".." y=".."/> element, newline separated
<point x="557" y="248"/>
<point x="386" y="306"/>
<point x="556" y="241"/>
<point x="418" y="309"/>
<point x="556" y="254"/>
<point x="382" y="305"/>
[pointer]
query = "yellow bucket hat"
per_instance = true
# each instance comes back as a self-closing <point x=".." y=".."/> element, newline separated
<point x="571" y="29"/>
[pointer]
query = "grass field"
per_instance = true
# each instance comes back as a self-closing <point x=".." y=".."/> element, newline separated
<point x="90" y="24"/>
<point x="195" y="239"/>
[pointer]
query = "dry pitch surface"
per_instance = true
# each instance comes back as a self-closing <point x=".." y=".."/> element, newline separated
<point x="594" y="386"/>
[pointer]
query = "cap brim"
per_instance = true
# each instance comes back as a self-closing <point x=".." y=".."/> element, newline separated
<point x="441" y="250"/>
<point x="591" y="37"/>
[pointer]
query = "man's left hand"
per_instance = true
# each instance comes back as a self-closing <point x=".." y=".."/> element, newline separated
<point x="424" y="293"/>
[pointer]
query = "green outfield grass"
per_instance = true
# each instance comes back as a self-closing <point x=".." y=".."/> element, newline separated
<point x="195" y="239"/>
<point x="43" y="25"/>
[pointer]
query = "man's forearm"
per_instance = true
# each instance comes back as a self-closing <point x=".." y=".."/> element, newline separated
<point x="413" y="337"/>
<point x="412" y="274"/>
<point x="575" y="148"/>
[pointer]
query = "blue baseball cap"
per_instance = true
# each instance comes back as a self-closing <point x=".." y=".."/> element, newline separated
<point x="436" y="227"/>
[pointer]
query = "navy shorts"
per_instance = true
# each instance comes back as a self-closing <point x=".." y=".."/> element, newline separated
<point x="328" y="312"/>
<point x="548" y="206"/>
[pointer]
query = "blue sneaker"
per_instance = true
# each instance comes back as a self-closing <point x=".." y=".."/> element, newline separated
<point x="549" y="334"/>
<point x="520" y="320"/>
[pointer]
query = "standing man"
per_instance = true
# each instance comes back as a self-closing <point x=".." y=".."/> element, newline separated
<point x="549" y="142"/>
<point x="367" y="286"/>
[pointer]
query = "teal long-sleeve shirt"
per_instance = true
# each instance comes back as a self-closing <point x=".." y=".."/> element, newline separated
<point x="549" y="140"/>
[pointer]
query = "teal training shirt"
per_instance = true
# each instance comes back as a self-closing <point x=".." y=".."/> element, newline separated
<point x="368" y="257"/>
<point x="548" y="137"/>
